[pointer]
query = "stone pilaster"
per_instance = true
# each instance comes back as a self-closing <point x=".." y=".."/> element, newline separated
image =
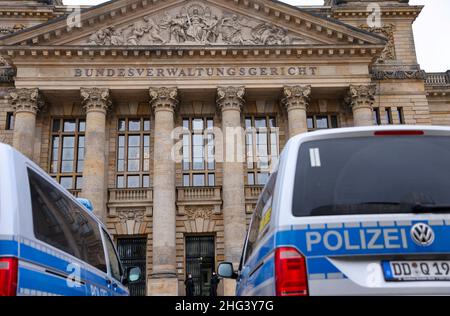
<point x="95" y="102"/>
<point x="230" y="100"/>
<point x="296" y="99"/>
<point x="361" y="99"/>
<point x="163" y="279"/>
<point x="26" y="103"/>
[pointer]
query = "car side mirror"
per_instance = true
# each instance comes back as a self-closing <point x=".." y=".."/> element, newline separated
<point x="226" y="270"/>
<point x="132" y="275"/>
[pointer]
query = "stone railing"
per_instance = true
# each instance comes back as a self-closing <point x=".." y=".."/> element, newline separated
<point x="131" y="199"/>
<point x="130" y="195"/>
<point x="438" y="79"/>
<point x="252" y="193"/>
<point x="199" y="196"/>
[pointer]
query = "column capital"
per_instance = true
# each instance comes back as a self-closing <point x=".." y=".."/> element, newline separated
<point x="296" y="97"/>
<point x="26" y="100"/>
<point x="95" y="99"/>
<point x="230" y="97"/>
<point x="163" y="98"/>
<point x="361" y="96"/>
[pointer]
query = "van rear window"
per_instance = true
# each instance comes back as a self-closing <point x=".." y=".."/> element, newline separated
<point x="373" y="175"/>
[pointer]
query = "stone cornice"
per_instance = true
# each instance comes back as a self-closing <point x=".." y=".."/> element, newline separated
<point x="410" y="12"/>
<point x="278" y="13"/>
<point x="95" y="99"/>
<point x="301" y="51"/>
<point x="296" y="97"/>
<point x="230" y="97"/>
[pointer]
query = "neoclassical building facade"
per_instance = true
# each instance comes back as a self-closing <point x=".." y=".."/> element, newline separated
<point x="129" y="104"/>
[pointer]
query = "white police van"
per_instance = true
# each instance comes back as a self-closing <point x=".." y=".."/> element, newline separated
<point x="353" y="211"/>
<point x="49" y="243"/>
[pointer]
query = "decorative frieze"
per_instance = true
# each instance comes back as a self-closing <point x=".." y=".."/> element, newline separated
<point x="95" y="99"/>
<point x="26" y="100"/>
<point x="361" y="96"/>
<point x="163" y="98"/>
<point x="398" y="74"/>
<point x="296" y="97"/>
<point x="230" y="97"/>
<point x="193" y="213"/>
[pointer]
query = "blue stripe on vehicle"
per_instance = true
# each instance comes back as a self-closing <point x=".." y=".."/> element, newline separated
<point x="8" y="248"/>
<point x="44" y="282"/>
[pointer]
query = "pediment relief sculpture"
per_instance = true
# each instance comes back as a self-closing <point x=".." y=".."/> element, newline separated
<point x="194" y="24"/>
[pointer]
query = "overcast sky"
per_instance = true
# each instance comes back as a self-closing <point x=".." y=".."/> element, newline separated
<point x="431" y="30"/>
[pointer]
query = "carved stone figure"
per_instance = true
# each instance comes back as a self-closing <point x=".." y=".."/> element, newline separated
<point x="193" y="24"/>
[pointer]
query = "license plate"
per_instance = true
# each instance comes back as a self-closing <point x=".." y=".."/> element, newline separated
<point x="416" y="270"/>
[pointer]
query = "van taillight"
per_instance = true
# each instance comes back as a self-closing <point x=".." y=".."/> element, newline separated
<point x="399" y="133"/>
<point x="290" y="272"/>
<point x="8" y="276"/>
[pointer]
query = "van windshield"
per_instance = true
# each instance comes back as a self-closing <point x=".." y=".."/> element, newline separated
<point x="373" y="175"/>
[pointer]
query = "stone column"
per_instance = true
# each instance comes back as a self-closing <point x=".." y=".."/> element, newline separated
<point x="95" y="102"/>
<point x="361" y="99"/>
<point x="296" y="100"/>
<point x="164" y="279"/>
<point x="230" y="100"/>
<point x="26" y="104"/>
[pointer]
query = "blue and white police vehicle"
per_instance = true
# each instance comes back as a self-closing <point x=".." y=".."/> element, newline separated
<point x="50" y="244"/>
<point x="352" y="211"/>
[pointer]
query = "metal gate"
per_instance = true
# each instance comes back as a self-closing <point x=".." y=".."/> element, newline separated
<point x="200" y="262"/>
<point x="132" y="253"/>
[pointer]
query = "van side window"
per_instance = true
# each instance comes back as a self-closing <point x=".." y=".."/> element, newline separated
<point x="114" y="264"/>
<point x="261" y="217"/>
<point x="60" y="222"/>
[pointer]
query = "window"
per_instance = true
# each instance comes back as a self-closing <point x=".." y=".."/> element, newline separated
<point x="61" y="223"/>
<point x="405" y="171"/>
<point x="376" y="116"/>
<point x="262" y="148"/>
<point x="198" y="152"/>
<point x="400" y="116"/>
<point x="261" y="217"/>
<point x="67" y="152"/>
<point x="114" y="264"/>
<point x="388" y="113"/>
<point x="9" y="121"/>
<point x="315" y="122"/>
<point x="133" y="153"/>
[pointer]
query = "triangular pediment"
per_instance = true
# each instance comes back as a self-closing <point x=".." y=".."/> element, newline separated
<point x="125" y="23"/>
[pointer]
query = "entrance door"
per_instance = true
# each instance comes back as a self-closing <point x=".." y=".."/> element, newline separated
<point x="132" y="253"/>
<point x="200" y="262"/>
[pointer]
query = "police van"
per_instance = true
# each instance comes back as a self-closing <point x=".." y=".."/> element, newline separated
<point x="352" y="211"/>
<point x="50" y="244"/>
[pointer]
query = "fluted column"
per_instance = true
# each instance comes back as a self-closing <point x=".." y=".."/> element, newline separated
<point x="296" y="99"/>
<point x="95" y="102"/>
<point x="361" y="99"/>
<point x="26" y="103"/>
<point x="164" y="279"/>
<point x="230" y="100"/>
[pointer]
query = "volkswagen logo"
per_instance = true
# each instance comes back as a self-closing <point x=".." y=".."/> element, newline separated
<point x="422" y="234"/>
